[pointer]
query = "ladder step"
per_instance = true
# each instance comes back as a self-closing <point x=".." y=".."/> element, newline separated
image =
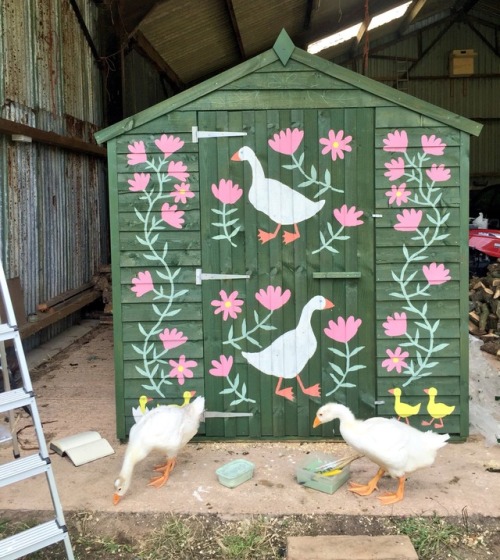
<point x="20" y="469"/>
<point x="15" y="399"/>
<point x="7" y="332"/>
<point x="31" y="540"/>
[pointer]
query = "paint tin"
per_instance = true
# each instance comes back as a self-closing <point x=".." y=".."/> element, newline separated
<point x="307" y="475"/>
<point x="235" y="473"/>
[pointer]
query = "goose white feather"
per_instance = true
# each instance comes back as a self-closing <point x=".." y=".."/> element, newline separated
<point x="165" y="428"/>
<point x="395" y="447"/>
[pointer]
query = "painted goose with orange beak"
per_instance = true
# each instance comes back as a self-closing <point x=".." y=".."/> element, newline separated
<point x="279" y="201"/>
<point x="288" y="355"/>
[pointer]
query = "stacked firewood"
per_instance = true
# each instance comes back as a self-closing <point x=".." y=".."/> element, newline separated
<point x="484" y="309"/>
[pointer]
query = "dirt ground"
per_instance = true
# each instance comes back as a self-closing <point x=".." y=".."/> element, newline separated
<point x="75" y="393"/>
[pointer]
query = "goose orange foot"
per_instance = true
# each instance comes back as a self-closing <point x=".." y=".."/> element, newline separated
<point x="265" y="236"/>
<point x="393" y="497"/>
<point x="287" y="393"/>
<point x="289" y="237"/>
<point x="159" y="481"/>
<point x="366" y="489"/>
<point x="312" y="391"/>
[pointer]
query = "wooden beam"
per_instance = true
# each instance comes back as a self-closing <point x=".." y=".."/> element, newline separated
<point x="410" y="15"/>
<point x="146" y="48"/>
<point x="51" y="138"/>
<point x="44" y="320"/>
<point x="236" y="29"/>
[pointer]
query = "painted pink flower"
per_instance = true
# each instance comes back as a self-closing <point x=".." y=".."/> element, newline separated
<point x="395" y="169"/>
<point x="286" y="141"/>
<point x="336" y="144"/>
<point x="178" y="170"/>
<point x="228" y="305"/>
<point x="139" y="182"/>
<point x="226" y="192"/>
<point x="182" y="193"/>
<point x="432" y="145"/>
<point x="396" y="141"/>
<point x="399" y="195"/>
<point x="436" y="274"/>
<point x="395" y="325"/>
<point x="137" y="153"/>
<point x="272" y="298"/>
<point x="168" y="144"/>
<point x="438" y="173"/>
<point x="343" y="330"/>
<point x="222" y="367"/>
<point x="143" y="283"/>
<point x="348" y="216"/>
<point x="172" y="216"/>
<point x="172" y="338"/>
<point x="396" y="360"/>
<point x="409" y="220"/>
<point x="182" y="368"/>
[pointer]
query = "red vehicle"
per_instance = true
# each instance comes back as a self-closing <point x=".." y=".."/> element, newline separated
<point x="484" y="248"/>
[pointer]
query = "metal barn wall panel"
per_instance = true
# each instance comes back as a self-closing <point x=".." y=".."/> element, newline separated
<point x="144" y="88"/>
<point x="54" y="230"/>
<point x="474" y="96"/>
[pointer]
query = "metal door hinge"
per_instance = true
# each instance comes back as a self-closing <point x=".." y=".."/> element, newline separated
<point x="197" y="134"/>
<point x="200" y="276"/>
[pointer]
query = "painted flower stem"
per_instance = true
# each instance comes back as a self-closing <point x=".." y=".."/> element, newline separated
<point x="340" y="381"/>
<point x="426" y="197"/>
<point x="312" y="179"/>
<point x="151" y="360"/>
<point x="227" y="235"/>
<point x="234" y="388"/>
<point x="246" y="334"/>
<point x="327" y="243"/>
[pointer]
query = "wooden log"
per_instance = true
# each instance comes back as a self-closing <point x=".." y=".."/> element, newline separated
<point x="483" y="317"/>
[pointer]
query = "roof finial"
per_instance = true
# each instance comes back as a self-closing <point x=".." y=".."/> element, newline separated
<point x="283" y="47"/>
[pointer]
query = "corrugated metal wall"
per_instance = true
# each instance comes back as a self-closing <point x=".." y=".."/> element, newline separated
<point x="475" y="97"/>
<point x="53" y="202"/>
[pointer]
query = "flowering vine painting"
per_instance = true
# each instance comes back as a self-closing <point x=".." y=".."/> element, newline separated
<point x="417" y="183"/>
<point x="161" y="193"/>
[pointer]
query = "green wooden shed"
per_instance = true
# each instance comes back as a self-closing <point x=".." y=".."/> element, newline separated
<point x="285" y="234"/>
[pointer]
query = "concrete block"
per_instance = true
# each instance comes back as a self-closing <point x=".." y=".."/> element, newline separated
<point x="359" y="547"/>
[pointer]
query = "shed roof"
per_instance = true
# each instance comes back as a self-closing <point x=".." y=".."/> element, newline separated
<point x="284" y="50"/>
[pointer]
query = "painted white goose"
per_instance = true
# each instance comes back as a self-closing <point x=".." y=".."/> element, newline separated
<point x="288" y="355"/>
<point x="279" y="201"/>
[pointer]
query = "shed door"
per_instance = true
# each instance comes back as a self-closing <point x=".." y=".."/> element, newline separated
<point x="287" y="230"/>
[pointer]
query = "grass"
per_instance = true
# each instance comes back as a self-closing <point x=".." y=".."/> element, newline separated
<point x="431" y="536"/>
<point x="210" y="537"/>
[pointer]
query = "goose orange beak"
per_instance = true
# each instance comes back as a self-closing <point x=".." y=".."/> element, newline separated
<point x="193" y="393"/>
<point x="150" y="399"/>
<point x="316" y="422"/>
<point x="391" y="391"/>
<point x="116" y="499"/>
<point x="235" y="157"/>
<point x="426" y="391"/>
<point x="328" y="304"/>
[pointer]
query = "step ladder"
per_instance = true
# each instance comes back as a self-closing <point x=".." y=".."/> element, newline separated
<point x="53" y="531"/>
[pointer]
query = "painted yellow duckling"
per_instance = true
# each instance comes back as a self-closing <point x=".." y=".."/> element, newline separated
<point x="139" y="411"/>
<point x="187" y="396"/>
<point x="403" y="410"/>
<point x="437" y="410"/>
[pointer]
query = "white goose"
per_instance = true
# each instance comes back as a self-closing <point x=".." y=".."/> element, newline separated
<point x="280" y="202"/>
<point x="395" y="447"/>
<point x="288" y="355"/>
<point x="165" y="428"/>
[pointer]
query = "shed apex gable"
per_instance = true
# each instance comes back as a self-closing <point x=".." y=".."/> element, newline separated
<point x="284" y="50"/>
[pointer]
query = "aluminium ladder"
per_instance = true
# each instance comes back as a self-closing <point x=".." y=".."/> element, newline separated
<point x="50" y="532"/>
